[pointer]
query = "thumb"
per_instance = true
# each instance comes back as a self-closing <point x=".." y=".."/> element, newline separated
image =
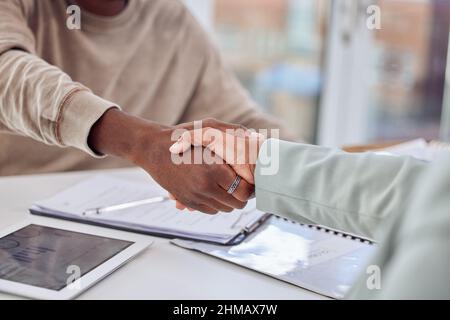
<point x="182" y="145"/>
<point x="197" y="137"/>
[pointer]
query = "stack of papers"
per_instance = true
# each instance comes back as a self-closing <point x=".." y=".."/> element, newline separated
<point x="159" y="218"/>
<point x="419" y="149"/>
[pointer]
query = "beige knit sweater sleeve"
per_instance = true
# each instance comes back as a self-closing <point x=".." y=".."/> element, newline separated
<point x="37" y="99"/>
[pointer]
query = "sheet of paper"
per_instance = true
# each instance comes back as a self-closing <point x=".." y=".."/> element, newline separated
<point x="418" y="148"/>
<point x="103" y="191"/>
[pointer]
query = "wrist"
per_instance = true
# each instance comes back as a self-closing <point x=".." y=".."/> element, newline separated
<point x="255" y="143"/>
<point x="119" y="134"/>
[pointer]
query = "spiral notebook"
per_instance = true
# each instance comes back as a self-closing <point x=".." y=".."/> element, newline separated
<point x="316" y="258"/>
<point x="160" y="219"/>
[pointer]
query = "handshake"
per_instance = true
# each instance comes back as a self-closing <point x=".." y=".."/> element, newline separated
<point x="210" y="166"/>
<point x="222" y="147"/>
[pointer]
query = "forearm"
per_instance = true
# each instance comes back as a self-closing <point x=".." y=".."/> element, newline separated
<point x="119" y="134"/>
<point x="350" y="192"/>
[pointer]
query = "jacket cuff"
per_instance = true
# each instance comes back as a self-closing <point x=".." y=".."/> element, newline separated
<point x="268" y="163"/>
<point x="78" y="113"/>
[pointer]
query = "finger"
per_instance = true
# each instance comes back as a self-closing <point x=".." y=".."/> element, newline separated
<point x="232" y="149"/>
<point x="183" y="143"/>
<point x="212" y="209"/>
<point x="198" y="137"/>
<point x="244" y="191"/>
<point x="206" y="209"/>
<point x="222" y="196"/>
<point x="218" y="205"/>
<point x="180" y="206"/>
<point x="225" y="179"/>
<point x="212" y="200"/>
<point x="229" y="128"/>
<point x="232" y="130"/>
<point x="215" y="140"/>
<point x="209" y="122"/>
<point x="194" y="206"/>
<point x="203" y="208"/>
<point x="223" y="126"/>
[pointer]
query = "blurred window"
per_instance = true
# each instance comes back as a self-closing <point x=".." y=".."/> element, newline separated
<point x="385" y="84"/>
<point x="409" y="64"/>
<point x="275" y="48"/>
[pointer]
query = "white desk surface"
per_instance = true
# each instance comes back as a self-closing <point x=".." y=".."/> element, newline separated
<point x="163" y="271"/>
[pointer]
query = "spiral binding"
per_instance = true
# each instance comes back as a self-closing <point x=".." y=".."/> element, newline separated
<point x="331" y="231"/>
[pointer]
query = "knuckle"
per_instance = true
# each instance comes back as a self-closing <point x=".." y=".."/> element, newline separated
<point x="204" y="186"/>
<point x="242" y="205"/>
<point x="227" y="209"/>
<point x="250" y="191"/>
<point x="190" y="203"/>
<point x="209" y="121"/>
<point x="215" y="172"/>
<point x="210" y="211"/>
<point x="186" y="135"/>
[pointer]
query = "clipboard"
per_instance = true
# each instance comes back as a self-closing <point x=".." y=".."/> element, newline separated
<point x="159" y="218"/>
<point x="245" y="232"/>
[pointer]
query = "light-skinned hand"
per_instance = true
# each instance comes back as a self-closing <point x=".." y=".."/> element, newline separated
<point x="239" y="150"/>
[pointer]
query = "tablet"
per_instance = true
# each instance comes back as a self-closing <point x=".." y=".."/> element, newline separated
<point x="45" y="262"/>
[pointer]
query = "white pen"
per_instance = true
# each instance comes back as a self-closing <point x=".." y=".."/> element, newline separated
<point x="125" y="205"/>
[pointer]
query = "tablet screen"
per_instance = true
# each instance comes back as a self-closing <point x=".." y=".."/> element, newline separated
<point x="53" y="258"/>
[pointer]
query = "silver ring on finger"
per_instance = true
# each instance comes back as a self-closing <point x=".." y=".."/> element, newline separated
<point x="234" y="185"/>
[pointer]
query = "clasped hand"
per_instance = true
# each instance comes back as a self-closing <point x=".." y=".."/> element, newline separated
<point x="197" y="184"/>
<point x="224" y="146"/>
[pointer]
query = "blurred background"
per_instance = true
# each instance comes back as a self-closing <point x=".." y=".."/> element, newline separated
<point x="334" y="80"/>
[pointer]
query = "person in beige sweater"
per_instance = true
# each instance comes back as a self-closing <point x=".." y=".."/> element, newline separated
<point x="116" y="86"/>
